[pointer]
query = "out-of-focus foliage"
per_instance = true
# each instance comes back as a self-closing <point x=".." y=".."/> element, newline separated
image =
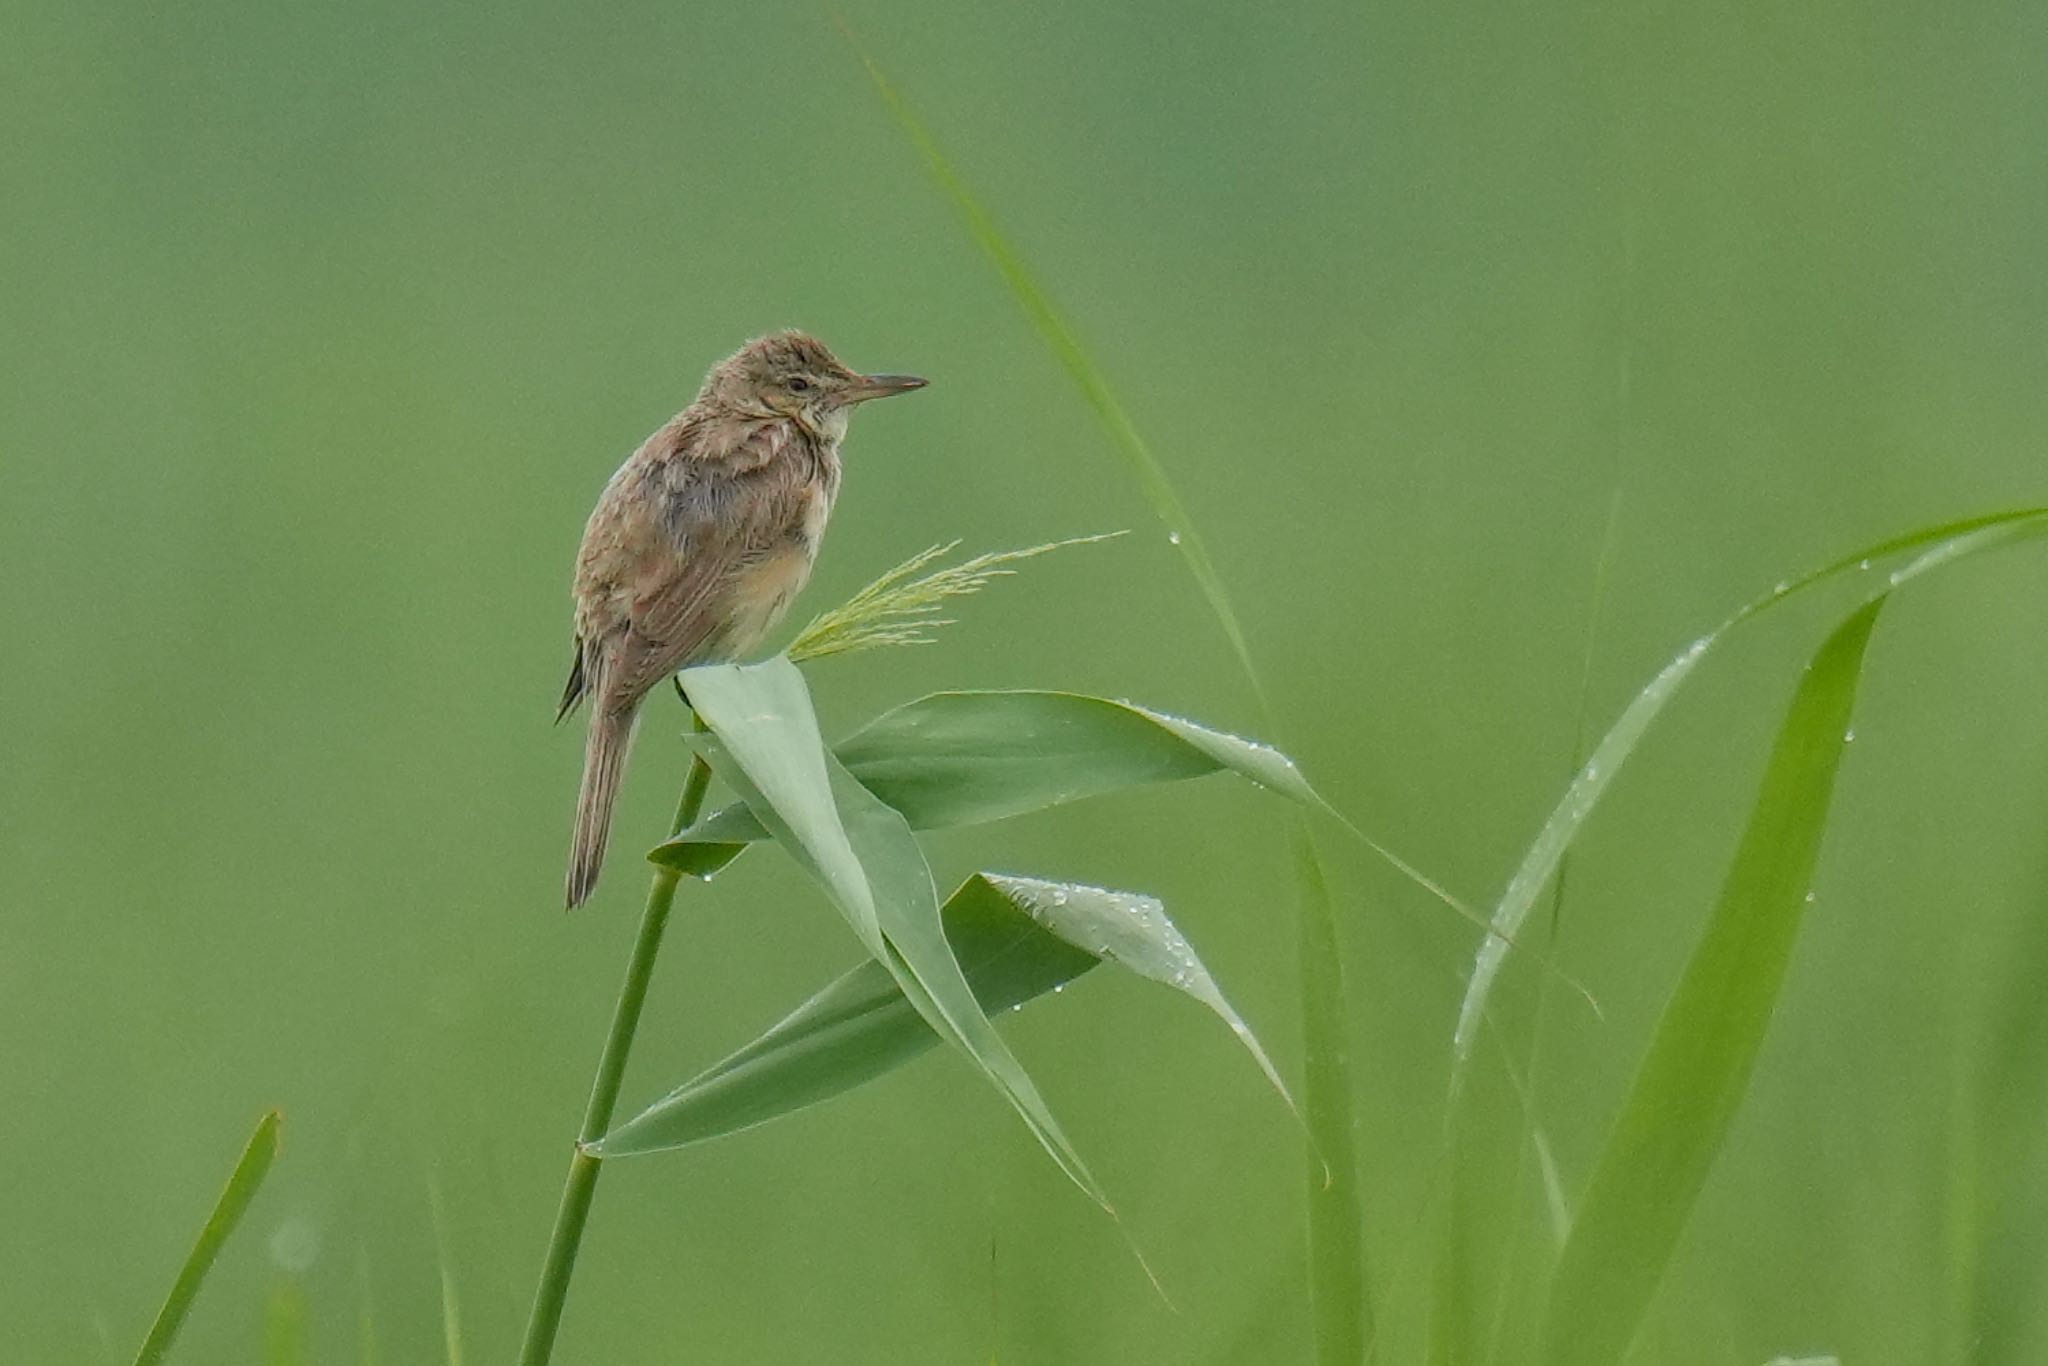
<point x="324" y="327"/>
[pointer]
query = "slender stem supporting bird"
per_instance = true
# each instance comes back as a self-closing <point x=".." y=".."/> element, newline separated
<point x="581" y="1187"/>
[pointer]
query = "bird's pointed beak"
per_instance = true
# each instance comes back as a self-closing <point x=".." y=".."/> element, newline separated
<point x="882" y="386"/>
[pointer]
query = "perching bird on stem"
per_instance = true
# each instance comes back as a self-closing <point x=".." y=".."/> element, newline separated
<point x="699" y="543"/>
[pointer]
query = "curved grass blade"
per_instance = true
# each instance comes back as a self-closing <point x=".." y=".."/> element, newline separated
<point x="1059" y="338"/>
<point x="1584" y="791"/>
<point x="243" y="1183"/>
<point x="1693" y="1078"/>
<point x="767" y="747"/>
<point x="1016" y="939"/>
<point x="1698" y="1067"/>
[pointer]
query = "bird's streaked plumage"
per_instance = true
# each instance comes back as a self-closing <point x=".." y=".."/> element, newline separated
<point x="699" y="543"/>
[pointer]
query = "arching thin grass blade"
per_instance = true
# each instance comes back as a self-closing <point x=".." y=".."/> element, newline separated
<point x="1692" y="1080"/>
<point x="1586" y="788"/>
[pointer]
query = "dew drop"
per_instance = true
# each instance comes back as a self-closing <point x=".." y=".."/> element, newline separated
<point x="1780" y="588"/>
<point x="1173" y="538"/>
<point x="1864" y="565"/>
<point x="1809" y="898"/>
<point x="1849" y="736"/>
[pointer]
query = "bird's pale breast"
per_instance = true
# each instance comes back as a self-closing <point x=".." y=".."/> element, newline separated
<point x="762" y="593"/>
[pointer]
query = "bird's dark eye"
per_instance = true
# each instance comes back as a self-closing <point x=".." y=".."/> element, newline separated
<point x="798" y="384"/>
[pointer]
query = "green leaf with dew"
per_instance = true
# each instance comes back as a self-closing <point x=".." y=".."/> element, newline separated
<point x="1698" y="1067"/>
<point x="243" y="1183"/>
<point x="1583" y="793"/>
<point x="764" y="742"/>
<point x="1693" y="1078"/>
<point x="1016" y="939"/>
<point x="967" y="758"/>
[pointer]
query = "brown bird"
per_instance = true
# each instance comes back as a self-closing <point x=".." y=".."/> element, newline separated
<point x="699" y="543"/>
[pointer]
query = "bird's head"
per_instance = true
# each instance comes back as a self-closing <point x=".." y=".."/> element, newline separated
<point x="792" y="375"/>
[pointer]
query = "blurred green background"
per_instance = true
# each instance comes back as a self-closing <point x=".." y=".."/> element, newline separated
<point x="323" y="325"/>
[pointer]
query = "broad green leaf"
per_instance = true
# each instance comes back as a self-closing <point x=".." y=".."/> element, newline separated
<point x="765" y="744"/>
<point x="1015" y="938"/>
<point x="1587" y="787"/>
<point x="243" y="1183"/>
<point x="966" y="758"/>
<point x="856" y="1029"/>
<point x="1696" y="1072"/>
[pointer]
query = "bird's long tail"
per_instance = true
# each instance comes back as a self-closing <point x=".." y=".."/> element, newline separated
<point x="604" y="763"/>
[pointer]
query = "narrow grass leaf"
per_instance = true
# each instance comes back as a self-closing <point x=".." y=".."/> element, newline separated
<point x="1590" y="783"/>
<point x="1061" y="340"/>
<point x="1696" y="1072"/>
<point x="243" y="1183"/>
<point x="1685" y="1095"/>
<point x="765" y="744"/>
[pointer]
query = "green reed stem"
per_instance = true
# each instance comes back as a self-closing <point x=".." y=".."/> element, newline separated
<point x="581" y="1186"/>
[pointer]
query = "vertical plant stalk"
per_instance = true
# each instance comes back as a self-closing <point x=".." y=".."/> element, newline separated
<point x="581" y="1186"/>
<point x="1340" y="1309"/>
